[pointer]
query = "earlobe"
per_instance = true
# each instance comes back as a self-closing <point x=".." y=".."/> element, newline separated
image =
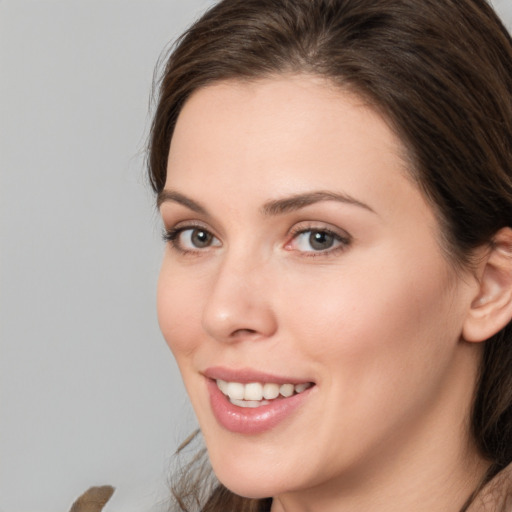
<point x="491" y="309"/>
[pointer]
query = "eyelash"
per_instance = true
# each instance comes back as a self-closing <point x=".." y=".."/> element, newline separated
<point x="343" y="240"/>
<point x="172" y="237"/>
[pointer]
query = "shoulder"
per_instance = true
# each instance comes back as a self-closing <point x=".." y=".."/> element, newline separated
<point x="496" y="496"/>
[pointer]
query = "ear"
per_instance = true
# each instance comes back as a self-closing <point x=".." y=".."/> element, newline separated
<point x="491" y="309"/>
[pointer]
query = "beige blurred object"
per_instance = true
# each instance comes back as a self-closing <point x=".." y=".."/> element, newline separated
<point x="93" y="500"/>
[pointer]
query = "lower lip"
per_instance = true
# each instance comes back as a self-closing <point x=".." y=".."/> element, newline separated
<point x="252" y="420"/>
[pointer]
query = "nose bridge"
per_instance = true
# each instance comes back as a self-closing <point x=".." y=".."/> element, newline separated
<point x="239" y="302"/>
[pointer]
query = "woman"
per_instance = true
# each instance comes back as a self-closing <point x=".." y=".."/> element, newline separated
<point x="335" y="182"/>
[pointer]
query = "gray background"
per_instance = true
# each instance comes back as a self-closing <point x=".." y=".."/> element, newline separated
<point x="89" y="393"/>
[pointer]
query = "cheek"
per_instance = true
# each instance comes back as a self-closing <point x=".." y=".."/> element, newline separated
<point x="177" y="309"/>
<point x="382" y="343"/>
<point x="379" y="319"/>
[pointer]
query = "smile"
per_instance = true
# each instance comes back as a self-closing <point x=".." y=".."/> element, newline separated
<point x="257" y="394"/>
<point x="251" y="402"/>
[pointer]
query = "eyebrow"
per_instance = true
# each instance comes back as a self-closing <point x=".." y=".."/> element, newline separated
<point x="176" y="197"/>
<point x="298" y="201"/>
<point x="270" y="208"/>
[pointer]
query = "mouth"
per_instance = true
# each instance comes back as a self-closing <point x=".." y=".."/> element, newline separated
<point x="258" y="394"/>
<point x="250" y="402"/>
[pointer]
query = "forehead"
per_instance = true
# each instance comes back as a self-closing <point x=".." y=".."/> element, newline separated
<point x="265" y="107"/>
<point x="286" y="133"/>
<point x="279" y="119"/>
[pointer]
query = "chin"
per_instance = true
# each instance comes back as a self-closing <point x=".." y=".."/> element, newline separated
<point x="250" y="489"/>
<point x="248" y="481"/>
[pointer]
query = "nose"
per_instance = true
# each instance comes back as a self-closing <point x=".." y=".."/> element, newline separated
<point x="239" y="304"/>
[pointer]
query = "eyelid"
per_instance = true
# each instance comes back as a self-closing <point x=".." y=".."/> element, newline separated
<point x="340" y="235"/>
<point x="171" y="236"/>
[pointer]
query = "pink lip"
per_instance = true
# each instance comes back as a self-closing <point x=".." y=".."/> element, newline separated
<point x="247" y="375"/>
<point x="251" y="421"/>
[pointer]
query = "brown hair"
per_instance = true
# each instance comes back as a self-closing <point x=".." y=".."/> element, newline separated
<point x="440" y="71"/>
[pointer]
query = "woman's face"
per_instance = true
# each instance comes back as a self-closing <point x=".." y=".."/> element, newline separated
<point x="303" y="277"/>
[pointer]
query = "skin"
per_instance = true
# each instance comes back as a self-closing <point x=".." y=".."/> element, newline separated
<point x="375" y="321"/>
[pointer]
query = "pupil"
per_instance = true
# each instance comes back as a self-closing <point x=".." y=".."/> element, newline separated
<point x="201" y="238"/>
<point x="320" y="240"/>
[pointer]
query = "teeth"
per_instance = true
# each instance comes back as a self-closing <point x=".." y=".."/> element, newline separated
<point x="223" y="386"/>
<point x="255" y="394"/>
<point x="287" y="390"/>
<point x="249" y="403"/>
<point x="299" y="388"/>
<point x="235" y="390"/>
<point x="270" y="391"/>
<point x="253" y="391"/>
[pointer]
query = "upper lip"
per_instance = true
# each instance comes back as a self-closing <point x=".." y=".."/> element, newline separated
<point x="247" y="375"/>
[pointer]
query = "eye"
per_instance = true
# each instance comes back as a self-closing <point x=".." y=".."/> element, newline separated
<point x="196" y="238"/>
<point x="317" y="240"/>
<point x="191" y="239"/>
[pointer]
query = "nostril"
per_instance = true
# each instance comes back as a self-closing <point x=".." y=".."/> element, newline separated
<point x="243" y="332"/>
